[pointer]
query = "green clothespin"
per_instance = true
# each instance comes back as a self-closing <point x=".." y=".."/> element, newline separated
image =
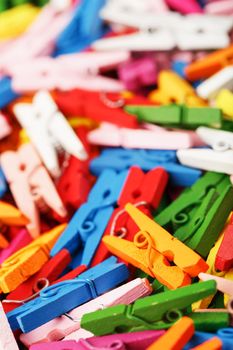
<point x="198" y="215"/>
<point x="178" y="115"/>
<point x="18" y="2"/>
<point x="158" y="311"/>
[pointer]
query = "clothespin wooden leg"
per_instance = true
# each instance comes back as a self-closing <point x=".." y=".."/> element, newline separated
<point x="176" y="337"/>
<point x="211" y="344"/>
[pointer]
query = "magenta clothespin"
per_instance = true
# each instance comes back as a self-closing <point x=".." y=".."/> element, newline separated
<point x="31" y="185"/>
<point x="185" y="7"/>
<point x="138" y="73"/>
<point x="222" y="7"/>
<point x="5" y="128"/>
<point x="110" y="135"/>
<point x="22" y="239"/>
<point x="125" y="341"/>
<point x="65" y="325"/>
<point x="223" y="285"/>
<point x="7" y="339"/>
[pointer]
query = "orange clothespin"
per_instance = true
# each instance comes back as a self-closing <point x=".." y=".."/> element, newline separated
<point x="152" y="249"/>
<point x="176" y="337"/>
<point x="28" y="260"/>
<point x="31" y="185"/>
<point x="211" y="344"/>
<point x="210" y="64"/>
<point x="174" y="89"/>
<point x="10" y="216"/>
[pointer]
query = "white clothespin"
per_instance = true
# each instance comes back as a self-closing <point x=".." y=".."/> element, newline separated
<point x="207" y="32"/>
<point x="164" y="31"/>
<point x="219" y="158"/>
<point x="48" y="130"/>
<point x="221" y="80"/>
<point x="68" y="72"/>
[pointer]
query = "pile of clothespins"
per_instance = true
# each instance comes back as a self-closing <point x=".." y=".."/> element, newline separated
<point x="116" y="173"/>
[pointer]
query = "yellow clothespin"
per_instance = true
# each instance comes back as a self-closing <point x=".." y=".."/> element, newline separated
<point x="28" y="260"/>
<point x="224" y="101"/>
<point x="15" y="21"/>
<point x="173" y="89"/>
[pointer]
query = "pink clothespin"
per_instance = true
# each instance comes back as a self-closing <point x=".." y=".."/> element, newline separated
<point x="65" y="325"/>
<point x="5" y="128"/>
<point x="223" y="285"/>
<point x="30" y="185"/>
<point x="7" y="339"/>
<point x="22" y="239"/>
<point x="137" y="340"/>
<point x="196" y="140"/>
<point x="139" y="72"/>
<point x="39" y="39"/>
<point x="68" y="72"/>
<point x="185" y="7"/>
<point x="222" y="7"/>
<point x="111" y="135"/>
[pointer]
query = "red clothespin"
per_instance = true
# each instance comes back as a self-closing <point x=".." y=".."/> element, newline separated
<point x="143" y="190"/>
<point x="76" y="181"/>
<point x="224" y="256"/>
<point x="31" y="185"/>
<point x="98" y="106"/>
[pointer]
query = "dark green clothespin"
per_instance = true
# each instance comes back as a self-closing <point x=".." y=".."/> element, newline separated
<point x="198" y="215"/>
<point x="178" y="115"/>
<point x="158" y="311"/>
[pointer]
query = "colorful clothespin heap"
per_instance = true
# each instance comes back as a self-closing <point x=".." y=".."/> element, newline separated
<point x="116" y="175"/>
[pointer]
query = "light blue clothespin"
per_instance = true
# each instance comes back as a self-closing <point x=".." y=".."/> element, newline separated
<point x="62" y="297"/>
<point x="87" y="226"/>
<point x="120" y="159"/>
<point x="85" y="27"/>
<point x="224" y="334"/>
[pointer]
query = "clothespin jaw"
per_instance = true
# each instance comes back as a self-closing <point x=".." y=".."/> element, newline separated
<point x="28" y="260"/>
<point x="223" y="285"/>
<point x="151" y="251"/>
<point x="213" y="344"/>
<point x="224" y="257"/>
<point x="210" y="64"/>
<point x="177" y="115"/>
<point x="43" y="117"/>
<point x="153" y="312"/>
<point x="31" y="185"/>
<point x="173" y="89"/>
<point x="65" y="296"/>
<point x="215" y="193"/>
<point x="211" y="159"/>
<point x="11" y="216"/>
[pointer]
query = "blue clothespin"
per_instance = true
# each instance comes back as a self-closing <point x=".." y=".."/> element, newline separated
<point x="225" y="335"/>
<point x="87" y="226"/>
<point x="3" y="184"/>
<point x="62" y="297"/>
<point x="7" y="94"/>
<point x="120" y="159"/>
<point x="85" y="27"/>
